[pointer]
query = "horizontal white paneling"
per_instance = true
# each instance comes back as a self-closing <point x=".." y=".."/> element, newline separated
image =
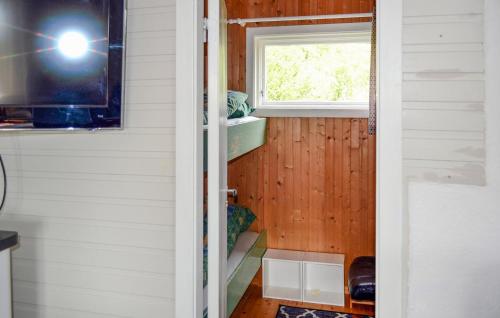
<point x="444" y="105"/>
<point x="150" y="92"/>
<point x="445" y="19"/>
<point x="151" y="43"/>
<point x="93" y="187"/>
<point x="162" y="165"/>
<point x="443" y="76"/>
<point x="443" y="135"/>
<point x="95" y="211"/>
<point x="446" y="33"/>
<point x="96" y="255"/>
<point x="88" y="208"/>
<point x="448" y="62"/>
<point x="454" y="47"/>
<point x="444" y="91"/>
<point x="159" y="67"/>
<point x="445" y="171"/>
<point x="99" y="279"/>
<point x="77" y="299"/>
<point x="152" y="19"/>
<point x="442" y="7"/>
<point x="151" y="118"/>
<point x="133" y="4"/>
<point x="145" y="236"/>
<point x="444" y="150"/>
<point x="91" y="208"/>
<point x="443" y="120"/>
<point x="22" y="310"/>
<point x="105" y="141"/>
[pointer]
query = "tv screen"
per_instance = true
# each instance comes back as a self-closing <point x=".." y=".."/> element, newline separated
<point x="61" y="64"/>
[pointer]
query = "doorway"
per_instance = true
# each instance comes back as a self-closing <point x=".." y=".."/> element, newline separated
<point x="389" y="276"/>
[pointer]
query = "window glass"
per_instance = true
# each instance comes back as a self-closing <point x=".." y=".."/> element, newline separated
<point x="316" y="73"/>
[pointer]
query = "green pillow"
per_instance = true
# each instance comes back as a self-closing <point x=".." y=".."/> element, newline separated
<point x="245" y="217"/>
<point x="239" y="220"/>
<point x="237" y="105"/>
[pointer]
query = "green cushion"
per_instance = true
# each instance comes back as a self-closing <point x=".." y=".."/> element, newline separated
<point x="239" y="220"/>
<point x="237" y="106"/>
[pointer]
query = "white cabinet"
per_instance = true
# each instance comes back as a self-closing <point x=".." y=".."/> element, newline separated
<point x="323" y="278"/>
<point x="303" y="276"/>
<point x="282" y="275"/>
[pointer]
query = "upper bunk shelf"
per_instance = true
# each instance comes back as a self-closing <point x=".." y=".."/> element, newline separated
<point x="243" y="135"/>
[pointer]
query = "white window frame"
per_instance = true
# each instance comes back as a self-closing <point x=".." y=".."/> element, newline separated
<point x="259" y="38"/>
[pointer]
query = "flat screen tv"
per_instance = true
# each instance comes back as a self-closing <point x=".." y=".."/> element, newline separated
<point x="61" y="64"/>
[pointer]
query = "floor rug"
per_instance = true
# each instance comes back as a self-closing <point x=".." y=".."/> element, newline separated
<point x="295" y="312"/>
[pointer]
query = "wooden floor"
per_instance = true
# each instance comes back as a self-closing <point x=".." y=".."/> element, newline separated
<point x="253" y="305"/>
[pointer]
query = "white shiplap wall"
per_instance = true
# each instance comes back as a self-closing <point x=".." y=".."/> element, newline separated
<point x="443" y="91"/>
<point x="95" y="211"/>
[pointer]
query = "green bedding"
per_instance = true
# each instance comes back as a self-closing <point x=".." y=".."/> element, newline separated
<point x="239" y="220"/>
<point x="237" y="106"/>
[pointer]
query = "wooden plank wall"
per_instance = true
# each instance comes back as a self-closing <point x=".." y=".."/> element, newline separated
<point x="313" y="184"/>
<point x="444" y="91"/>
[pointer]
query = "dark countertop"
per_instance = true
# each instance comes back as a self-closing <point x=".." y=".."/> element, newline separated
<point x="7" y="240"/>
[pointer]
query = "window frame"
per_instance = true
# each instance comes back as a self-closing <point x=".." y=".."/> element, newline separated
<point x="259" y="37"/>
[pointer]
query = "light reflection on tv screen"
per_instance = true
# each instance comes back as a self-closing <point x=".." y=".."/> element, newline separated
<point x="61" y="63"/>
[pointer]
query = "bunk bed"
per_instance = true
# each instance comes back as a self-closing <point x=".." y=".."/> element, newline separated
<point x="242" y="266"/>
<point x="244" y="132"/>
<point x="243" y="135"/>
<point x="245" y="249"/>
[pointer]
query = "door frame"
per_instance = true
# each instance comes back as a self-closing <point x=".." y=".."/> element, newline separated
<point x="189" y="160"/>
<point x="391" y="231"/>
<point x="217" y="158"/>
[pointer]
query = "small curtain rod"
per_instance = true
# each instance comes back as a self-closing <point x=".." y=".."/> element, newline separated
<point x="242" y="22"/>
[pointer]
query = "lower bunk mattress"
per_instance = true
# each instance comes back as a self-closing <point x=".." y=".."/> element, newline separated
<point x="242" y="266"/>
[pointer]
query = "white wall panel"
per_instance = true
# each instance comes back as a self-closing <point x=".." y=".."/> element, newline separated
<point x="150" y="92"/>
<point x="151" y="67"/>
<point x="443" y="120"/>
<point x="454" y="229"/>
<point x="444" y="150"/>
<point x="112" y="280"/>
<point x="95" y="210"/>
<point x="479" y="106"/>
<point x="448" y="62"/>
<point x="124" y="258"/>
<point x="151" y="19"/>
<point x="445" y="172"/>
<point x="78" y="299"/>
<point x="444" y="91"/>
<point x="442" y="33"/>
<point x="151" y="43"/>
<point x="443" y="7"/>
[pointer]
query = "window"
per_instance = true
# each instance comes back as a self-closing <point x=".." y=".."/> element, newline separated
<point x="311" y="70"/>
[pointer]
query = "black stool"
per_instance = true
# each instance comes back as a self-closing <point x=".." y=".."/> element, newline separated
<point x="362" y="281"/>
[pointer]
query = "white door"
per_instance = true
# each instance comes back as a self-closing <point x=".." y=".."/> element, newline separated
<point x="217" y="158"/>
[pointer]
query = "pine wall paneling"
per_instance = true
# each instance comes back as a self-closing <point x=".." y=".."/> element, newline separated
<point x="313" y="184"/>
<point x="95" y="211"/>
